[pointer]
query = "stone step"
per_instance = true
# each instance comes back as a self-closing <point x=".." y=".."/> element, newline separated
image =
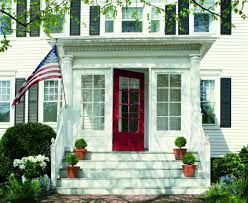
<point x="131" y="191"/>
<point x="86" y="164"/>
<point x="110" y="183"/>
<point x="130" y="173"/>
<point x="129" y="156"/>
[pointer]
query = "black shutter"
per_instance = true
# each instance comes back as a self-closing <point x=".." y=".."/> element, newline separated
<point x="34" y="11"/>
<point x="226" y="17"/>
<point x="21" y="14"/>
<point x="170" y="19"/>
<point x="225" y="102"/>
<point x="75" y="13"/>
<point x="94" y="20"/>
<point x="20" y="107"/>
<point x="183" y="17"/>
<point x="33" y="96"/>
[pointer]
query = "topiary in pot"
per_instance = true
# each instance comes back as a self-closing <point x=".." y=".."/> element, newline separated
<point x="189" y="167"/>
<point x="179" y="153"/>
<point x="80" y="150"/>
<point x="72" y="170"/>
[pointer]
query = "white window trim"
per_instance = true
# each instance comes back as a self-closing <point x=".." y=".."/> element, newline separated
<point x="216" y="78"/>
<point x="12" y="97"/>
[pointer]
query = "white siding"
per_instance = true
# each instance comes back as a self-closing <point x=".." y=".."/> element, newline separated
<point x="229" y="55"/>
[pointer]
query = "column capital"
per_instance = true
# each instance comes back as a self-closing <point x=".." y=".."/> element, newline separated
<point x="195" y="57"/>
<point x="67" y="58"/>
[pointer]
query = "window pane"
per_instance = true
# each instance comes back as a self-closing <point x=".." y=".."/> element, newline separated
<point x="162" y="123"/>
<point x="59" y="24"/>
<point x="175" y="80"/>
<point x="99" y="95"/>
<point x="162" y="95"/>
<point x="134" y="96"/>
<point x="162" y="109"/>
<point x="123" y="125"/>
<point x="175" y="123"/>
<point x="87" y="95"/>
<point x="175" y="109"/>
<point x="124" y="97"/>
<point x="201" y="22"/>
<point x="133" y="125"/>
<point x="109" y="26"/>
<point x="132" y="13"/>
<point x="87" y="123"/>
<point x="162" y="80"/>
<point x="208" y="113"/>
<point x="4" y="112"/>
<point x="134" y="83"/>
<point x="98" y="109"/>
<point x="155" y="25"/>
<point x="175" y="95"/>
<point x="98" y="123"/>
<point x="123" y="83"/>
<point x="131" y="26"/>
<point x="87" y="110"/>
<point x="50" y="112"/>
<point x="5" y="25"/>
<point x="123" y="109"/>
<point x="86" y="81"/>
<point x="99" y="81"/>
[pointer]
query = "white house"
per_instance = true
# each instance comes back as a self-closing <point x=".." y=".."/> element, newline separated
<point x="131" y="87"/>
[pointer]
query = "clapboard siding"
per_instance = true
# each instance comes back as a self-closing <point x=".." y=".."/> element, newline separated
<point x="229" y="54"/>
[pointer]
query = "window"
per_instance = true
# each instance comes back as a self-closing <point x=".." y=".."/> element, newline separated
<point x="208" y="101"/>
<point x="58" y="23"/>
<point x="132" y="19"/>
<point x="5" y="101"/>
<point x="109" y="22"/>
<point x="203" y="19"/>
<point x="93" y="101"/>
<point x="155" y="22"/>
<point x="168" y="102"/>
<point x="50" y="101"/>
<point x="5" y="21"/>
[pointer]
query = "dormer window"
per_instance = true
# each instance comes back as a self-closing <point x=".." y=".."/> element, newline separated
<point x="202" y="18"/>
<point x="132" y="19"/>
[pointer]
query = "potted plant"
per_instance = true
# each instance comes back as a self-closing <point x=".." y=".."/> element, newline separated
<point x="189" y="167"/>
<point x="179" y="153"/>
<point x="72" y="170"/>
<point x="80" y="150"/>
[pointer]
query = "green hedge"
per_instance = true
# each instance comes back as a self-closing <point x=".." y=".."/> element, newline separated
<point x="24" y="140"/>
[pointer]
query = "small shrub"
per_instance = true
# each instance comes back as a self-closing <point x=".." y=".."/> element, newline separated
<point x="72" y="159"/>
<point x="22" y="140"/>
<point x="80" y="144"/>
<point x="180" y="142"/>
<point x="189" y="158"/>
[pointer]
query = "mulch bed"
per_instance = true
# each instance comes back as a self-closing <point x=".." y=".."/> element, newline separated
<point x="56" y="198"/>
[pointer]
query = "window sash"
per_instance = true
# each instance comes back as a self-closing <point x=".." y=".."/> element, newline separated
<point x="4" y="101"/>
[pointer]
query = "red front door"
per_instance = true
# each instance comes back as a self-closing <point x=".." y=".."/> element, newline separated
<point x="128" y="111"/>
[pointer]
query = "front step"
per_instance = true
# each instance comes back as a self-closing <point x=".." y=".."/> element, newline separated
<point x="131" y="173"/>
<point x="131" y="191"/>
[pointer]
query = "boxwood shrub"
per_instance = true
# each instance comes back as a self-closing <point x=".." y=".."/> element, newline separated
<point x="24" y="140"/>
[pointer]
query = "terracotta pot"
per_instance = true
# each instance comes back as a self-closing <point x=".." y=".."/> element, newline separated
<point x="189" y="170"/>
<point x="72" y="171"/>
<point x="80" y="153"/>
<point x="179" y="153"/>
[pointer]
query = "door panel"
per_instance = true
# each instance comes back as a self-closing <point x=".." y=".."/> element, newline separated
<point x="128" y="111"/>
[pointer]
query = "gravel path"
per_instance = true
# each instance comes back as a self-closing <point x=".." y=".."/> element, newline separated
<point x="56" y="198"/>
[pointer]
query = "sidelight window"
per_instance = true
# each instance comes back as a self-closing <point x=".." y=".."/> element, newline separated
<point x="168" y="102"/>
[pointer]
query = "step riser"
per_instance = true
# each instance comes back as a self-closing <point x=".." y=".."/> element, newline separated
<point x="155" y="191"/>
<point x="129" y="165"/>
<point x="130" y="183"/>
<point x="125" y="156"/>
<point x="91" y="173"/>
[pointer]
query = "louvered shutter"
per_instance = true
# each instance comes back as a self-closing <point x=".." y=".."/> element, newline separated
<point x="170" y="19"/>
<point x="226" y="102"/>
<point x="20" y="107"/>
<point x="33" y="96"/>
<point x="226" y="17"/>
<point x="183" y="17"/>
<point x="94" y="20"/>
<point x="34" y="11"/>
<point x="75" y="13"/>
<point x="21" y="14"/>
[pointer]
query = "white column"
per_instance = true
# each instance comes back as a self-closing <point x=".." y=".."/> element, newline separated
<point x="196" y="121"/>
<point x="68" y="88"/>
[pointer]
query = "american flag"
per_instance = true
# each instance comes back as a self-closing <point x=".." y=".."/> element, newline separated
<point x="48" y="68"/>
